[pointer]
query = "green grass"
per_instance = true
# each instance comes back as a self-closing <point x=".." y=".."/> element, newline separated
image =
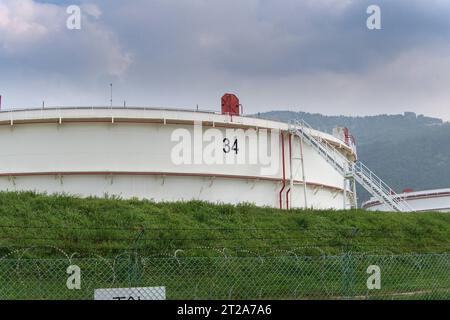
<point x="226" y="251"/>
<point x="112" y="225"/>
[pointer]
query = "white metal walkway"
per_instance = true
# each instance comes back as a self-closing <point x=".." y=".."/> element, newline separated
<point x="351" y="170"/>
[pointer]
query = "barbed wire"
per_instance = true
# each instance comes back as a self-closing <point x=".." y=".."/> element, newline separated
<point x="359" y="229"/>
<point x="254" y="250"/>
<point x="339" y="276"/>
<point x="287" y="246"/>
<point x="331" y="239"/>
<point x="104" y="239"/>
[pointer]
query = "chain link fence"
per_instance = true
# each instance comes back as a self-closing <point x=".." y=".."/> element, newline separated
<point x="345" y="276"/>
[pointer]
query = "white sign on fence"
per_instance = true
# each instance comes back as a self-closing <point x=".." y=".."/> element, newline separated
<point x="147" y="293"/>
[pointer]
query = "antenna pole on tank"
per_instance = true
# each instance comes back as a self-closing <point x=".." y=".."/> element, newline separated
<point x="111" y="100"/>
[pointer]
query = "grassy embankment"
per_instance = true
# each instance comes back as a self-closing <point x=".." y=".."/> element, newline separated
<point x="114" y="225"/>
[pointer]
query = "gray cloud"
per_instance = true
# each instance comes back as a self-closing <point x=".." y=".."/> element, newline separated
<point x="312" y="55"/>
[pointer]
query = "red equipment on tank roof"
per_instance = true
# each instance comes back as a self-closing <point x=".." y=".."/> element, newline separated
<point x="230" y="104"/>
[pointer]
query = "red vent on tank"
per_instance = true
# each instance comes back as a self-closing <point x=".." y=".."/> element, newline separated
<point x="230" y="104"/>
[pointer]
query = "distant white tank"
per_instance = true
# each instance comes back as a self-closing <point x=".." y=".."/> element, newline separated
<point x="427" y="200"/>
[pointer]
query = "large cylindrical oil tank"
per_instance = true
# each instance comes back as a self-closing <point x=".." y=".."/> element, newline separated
<point x="154" y="154"/>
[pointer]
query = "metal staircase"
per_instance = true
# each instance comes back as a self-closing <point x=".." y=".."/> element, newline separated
<point x="350" y="170"/>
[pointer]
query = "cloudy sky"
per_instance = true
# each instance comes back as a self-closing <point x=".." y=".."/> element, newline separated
<point x="309" y="55"/>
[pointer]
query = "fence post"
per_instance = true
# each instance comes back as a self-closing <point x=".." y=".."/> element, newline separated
<point x="134" y="269"/>
<point x="348" y="266"/>
<point x="347" y="275"/>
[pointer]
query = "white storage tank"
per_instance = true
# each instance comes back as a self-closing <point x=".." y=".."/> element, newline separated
<point x="420" y="201"/>
<point x="167" y="155"/>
